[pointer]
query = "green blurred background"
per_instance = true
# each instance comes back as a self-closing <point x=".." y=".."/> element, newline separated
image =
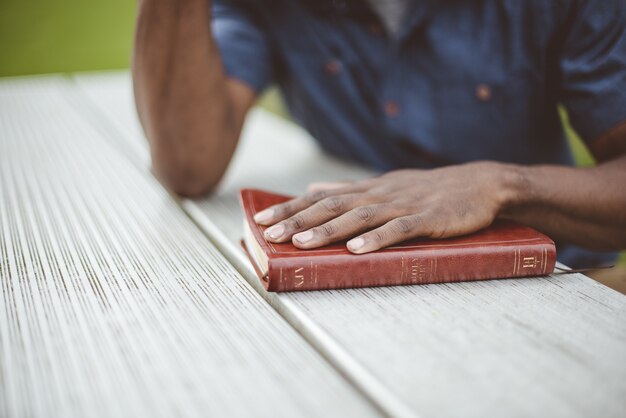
<point x="52" y="36"/>
<point x="62" y="36"/>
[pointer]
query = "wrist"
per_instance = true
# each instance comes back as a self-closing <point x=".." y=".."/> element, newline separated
<point x="514" y="187"/>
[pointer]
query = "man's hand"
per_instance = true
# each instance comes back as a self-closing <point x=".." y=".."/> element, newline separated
<point x="394" y="207"/>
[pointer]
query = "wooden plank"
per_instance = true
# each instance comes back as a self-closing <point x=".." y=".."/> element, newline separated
<point x="113" y="302"/>
<point x="551" y="346"/>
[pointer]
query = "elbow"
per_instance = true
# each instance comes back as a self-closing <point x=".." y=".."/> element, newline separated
<point x="188" y="161"/>
<point x="191" y="187"/>
<point x="185" y="178"/>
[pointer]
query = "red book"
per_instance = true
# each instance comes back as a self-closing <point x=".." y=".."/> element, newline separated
<point x="503" y="250"/>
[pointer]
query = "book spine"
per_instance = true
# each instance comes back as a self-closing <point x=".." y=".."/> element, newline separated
<point x="423" y="266"/>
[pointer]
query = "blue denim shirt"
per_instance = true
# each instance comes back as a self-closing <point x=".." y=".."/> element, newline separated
<point x="463" y="80"/>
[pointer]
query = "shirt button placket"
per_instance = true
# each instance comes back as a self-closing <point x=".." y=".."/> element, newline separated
<point x="333" y="67"/>
<point x="483" y="92"/>
<point x="392" y="90"/>
<point x="391" y="108"/>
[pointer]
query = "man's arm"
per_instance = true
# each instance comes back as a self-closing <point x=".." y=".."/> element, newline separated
<point x="191" y="112"/>
<point x="584" y="206"/>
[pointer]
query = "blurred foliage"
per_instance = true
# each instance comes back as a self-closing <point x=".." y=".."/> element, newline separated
<point x="51" y="36"/>
<point x="581" y="153"/>
<point x="273" y="101"/>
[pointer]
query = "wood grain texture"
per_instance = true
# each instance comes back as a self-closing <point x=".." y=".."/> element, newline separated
<point x="113" y="302"/>
<point x="551" y="346"/>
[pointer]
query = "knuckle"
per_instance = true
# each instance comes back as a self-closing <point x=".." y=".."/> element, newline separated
<point x="365" y="213"/>
<point x="333" y="204"/>
<point x="316" y="196"/>
<point x="283" y="209"/>
<point x="296" y="222"/>
<point x="328" y="229"/>
<point x="379" y="235"/>
<point x="405" y="225"/>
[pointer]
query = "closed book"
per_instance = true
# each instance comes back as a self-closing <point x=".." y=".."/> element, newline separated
<point x="503" y="250"/>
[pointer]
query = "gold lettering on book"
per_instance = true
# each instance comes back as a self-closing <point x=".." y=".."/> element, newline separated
<point x="530" y="262"/>
<point x="299" y="277"/>
<point x="418" y="270"/>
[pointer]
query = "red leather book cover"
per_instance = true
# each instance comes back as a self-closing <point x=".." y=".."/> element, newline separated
<point x="504" y="250"/>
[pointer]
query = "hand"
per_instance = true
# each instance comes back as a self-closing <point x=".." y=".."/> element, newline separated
<point x="392" y="208"/>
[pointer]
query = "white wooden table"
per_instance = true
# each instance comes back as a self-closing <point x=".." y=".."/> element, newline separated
<point x="115" y="302"/>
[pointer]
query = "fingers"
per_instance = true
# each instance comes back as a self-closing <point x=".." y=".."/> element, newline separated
<point x="282" y="211"/>
<point x="320" y="212"/>
<point x="395" y="231"/>
<point x="347" y="225"/>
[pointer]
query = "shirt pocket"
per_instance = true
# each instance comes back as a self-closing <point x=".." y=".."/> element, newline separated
<point x="495" y="118"/>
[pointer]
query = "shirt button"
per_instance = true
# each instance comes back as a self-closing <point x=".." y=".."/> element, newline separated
<point x="392" y="108"/>
<point x="483" y="92"/>
<point x="375" y="29"/>
<point x="333" y="67"/>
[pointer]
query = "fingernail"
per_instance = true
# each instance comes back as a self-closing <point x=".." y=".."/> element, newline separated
<point x="275" y="231"/>
<point x="356" y="244"/>
<point x="264" y="215"/>
<point x="304" y="237"/>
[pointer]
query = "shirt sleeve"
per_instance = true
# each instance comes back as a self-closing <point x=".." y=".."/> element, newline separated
<point x="593" y="67"/>
<point x="243" y="43"/>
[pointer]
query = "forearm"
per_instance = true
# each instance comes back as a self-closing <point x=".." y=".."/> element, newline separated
<point x="182" y="95"/>
<point x="583" y="206"/>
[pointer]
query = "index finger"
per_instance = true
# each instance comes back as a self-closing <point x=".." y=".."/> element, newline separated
<point x="284" y="210"/>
